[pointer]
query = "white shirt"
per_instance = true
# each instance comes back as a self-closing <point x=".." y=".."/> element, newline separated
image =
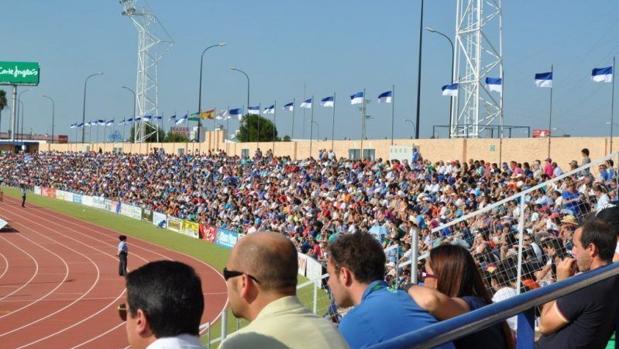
<point x="184" y="341"/>
<point x="503" y="294"/>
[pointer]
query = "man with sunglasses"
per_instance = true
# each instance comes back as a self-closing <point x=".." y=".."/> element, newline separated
<point x="164" y="306"/>
<point x="261" y="276"/>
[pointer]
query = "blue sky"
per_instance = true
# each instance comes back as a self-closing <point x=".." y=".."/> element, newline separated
<point x="342" y="46"/>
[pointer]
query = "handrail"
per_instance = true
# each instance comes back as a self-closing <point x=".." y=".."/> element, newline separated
<point x="489" y="315"/>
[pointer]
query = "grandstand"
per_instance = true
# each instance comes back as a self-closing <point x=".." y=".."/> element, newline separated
<point x="513" y="218"/>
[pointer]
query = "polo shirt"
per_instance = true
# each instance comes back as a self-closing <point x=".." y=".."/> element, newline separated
<point x="383" y="314"/>
<point x="286" y="323"/>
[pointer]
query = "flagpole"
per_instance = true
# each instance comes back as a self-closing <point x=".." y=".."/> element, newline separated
<point x="550" y="116"/>
<point x="227" y="135"/>
<point x="304" y="98"/>
<point x="363" y="123"/>
<point x="311" y="127"/>
<point x="333" y="123"/>
<point x="612" y="108"/>
<point x="293" y="108"/>
<point x="274" y="123"/>
<point x="392" y="111"/>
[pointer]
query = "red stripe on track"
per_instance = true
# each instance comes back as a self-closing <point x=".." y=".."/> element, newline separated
<point x="81" y="311"/>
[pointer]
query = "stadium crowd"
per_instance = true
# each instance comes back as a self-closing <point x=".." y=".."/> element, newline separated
<point x="314" y="201"/>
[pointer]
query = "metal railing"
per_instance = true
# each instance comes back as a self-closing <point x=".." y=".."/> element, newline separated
<point x="521" y="305"/>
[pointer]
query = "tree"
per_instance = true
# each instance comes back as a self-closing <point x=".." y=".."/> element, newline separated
<point x="175" y="137"/>
<point x="151" y="131"/>
<point x="3" y="104"/>
<point x="255" y="128"/>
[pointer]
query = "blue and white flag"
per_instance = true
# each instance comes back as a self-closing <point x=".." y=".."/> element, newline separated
<point x="87" y="124"/>
<point x="158" y="117"/>
<point x="181" y="120"/>
<point x="269" y="110"/>
<point x="238" y="112"/>
<point x="307" y="104"/>
<point x="385" y="97"/>
<point x="147" y="117"/>
<point x="130" y="120"/>
<point x="357" y="98"/>
<point x="327" y="102"/>
<point x="109" y="123"/>
<point x="495" y="84"/>
<point x="450" y="90"/>
<point x="101" y="122"/>
<point x="138" y="118"/>
<point x="602" y="74"/>
<point x="254" y="110"/>
<point x="289" y="106"/>
<point x="73" y="126"/>
<point x="172" y="118"/>
<point x="80" y="125"/>
<point x="543" y="79"/>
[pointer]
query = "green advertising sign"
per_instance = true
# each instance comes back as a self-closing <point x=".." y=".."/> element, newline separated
<point x="19" y="73"/>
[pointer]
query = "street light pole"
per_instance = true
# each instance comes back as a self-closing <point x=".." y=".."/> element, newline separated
<point x="419" y="71"/>
<point x="221" y="44"/>
<point x="84" y="103"/>
<point x="20" y="110"/>
<point x="247" y="77"/>
<point x="451" y="100"/>
<point x="53" y="113"/>
<point x="134" y="103"/>
<point x="412" y="124"/>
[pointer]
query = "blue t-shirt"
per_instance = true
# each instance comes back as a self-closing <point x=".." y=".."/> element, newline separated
<point x="383" y="314"/>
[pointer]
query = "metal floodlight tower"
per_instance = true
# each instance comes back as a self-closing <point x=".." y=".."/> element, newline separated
<point x="479" y="54"/>
<point x="153" y="42"/>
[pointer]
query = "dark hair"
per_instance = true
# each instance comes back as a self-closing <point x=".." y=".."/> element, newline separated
<point x="458" y="276"/>
<point x="170" y="295"/>
<point x="610" y="215"/>
<point x="122" y="238"/>
<point x="585" y="151"/>
<point x="361" y="253"/>
<point x="505" y="273"/>
<point x="596" y="231"/>
<point x="456" y="272"/>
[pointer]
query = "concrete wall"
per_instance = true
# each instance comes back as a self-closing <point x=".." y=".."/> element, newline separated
<point x="562" y="149"/>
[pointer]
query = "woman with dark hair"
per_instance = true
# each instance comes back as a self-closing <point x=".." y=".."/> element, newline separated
<point x="454" y="286"/>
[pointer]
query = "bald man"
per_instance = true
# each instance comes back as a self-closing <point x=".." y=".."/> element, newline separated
<point x="261" y="277"/>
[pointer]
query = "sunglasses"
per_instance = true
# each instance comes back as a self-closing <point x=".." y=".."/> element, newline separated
<point x="233" y="273"/>
<point x="122" y="311"/>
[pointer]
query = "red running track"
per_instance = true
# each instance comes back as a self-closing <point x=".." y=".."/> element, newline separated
<point x="59" y="283"/>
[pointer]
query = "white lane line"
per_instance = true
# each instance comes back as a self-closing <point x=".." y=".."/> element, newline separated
<point x="6" y="265"/>
<point x="37" y="300"/>
<point x="94" y="283"/>
<point x="100" y="232"/>
<point x="36" y="270"/>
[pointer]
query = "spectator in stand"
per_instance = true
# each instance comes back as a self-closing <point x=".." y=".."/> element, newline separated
<point x="610" y="215"/>
<point x="585" y="318"/>
<point x="585" y="158"/>
<point x="356" y="268"/>
<point x="453" y="286"/>
<point x="548" y="168"/>
<point x="502" y="281"/>
<point x="164" y="306"/>
<point x="261" y="276"/>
